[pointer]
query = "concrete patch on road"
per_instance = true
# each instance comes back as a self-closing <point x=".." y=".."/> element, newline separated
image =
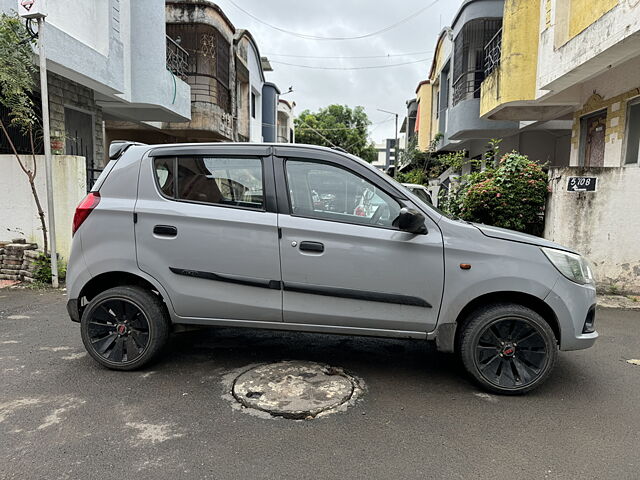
<point x="296" y="390"/>
<point x="55" y="416"/>
<point x="487" y="397"/>
<point x="75" y="356"/>
<point x="17" y="369"/>
<point x="61" y="405"/>
<point x="8" y="408"/>
<point x="153" y="433"/>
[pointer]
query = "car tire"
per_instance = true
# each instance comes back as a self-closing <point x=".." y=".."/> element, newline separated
<point x="124" y="328"/>
<point x="508" y="349"/>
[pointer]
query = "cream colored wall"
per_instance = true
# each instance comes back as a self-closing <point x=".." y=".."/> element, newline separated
<point x="18" y="214"/>
<point x="583" y="13"/>
<point x="612" y="93"/>
<point x="603" y="225"/>
<point x="560" y="60"/>
<point x="424" y="96"/>
<point x="515" y="79"/>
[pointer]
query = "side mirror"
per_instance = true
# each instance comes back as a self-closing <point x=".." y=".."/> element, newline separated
<point x="411" y="221"/>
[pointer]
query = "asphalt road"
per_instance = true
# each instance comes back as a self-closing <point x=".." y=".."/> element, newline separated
<point x="63" y="416"/>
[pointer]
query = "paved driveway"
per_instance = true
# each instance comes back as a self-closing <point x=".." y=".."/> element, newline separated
<point x="63" y="416"/>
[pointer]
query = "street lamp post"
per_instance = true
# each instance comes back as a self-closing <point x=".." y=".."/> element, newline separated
<point x="396" y="156"/>
<point x="36" y="9"/>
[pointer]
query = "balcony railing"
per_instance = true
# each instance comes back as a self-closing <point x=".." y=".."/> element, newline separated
<point x="492" y="53"/>
<point x="177" y="59"/>
<point x="467" y="86"/>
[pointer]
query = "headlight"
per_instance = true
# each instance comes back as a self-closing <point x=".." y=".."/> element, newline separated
<point x="575" y="267"/>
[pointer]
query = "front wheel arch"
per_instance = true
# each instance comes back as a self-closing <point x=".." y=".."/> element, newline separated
<point x="517" y="298"/>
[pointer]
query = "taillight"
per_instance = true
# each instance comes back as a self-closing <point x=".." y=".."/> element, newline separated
<point x="84" y="209"/>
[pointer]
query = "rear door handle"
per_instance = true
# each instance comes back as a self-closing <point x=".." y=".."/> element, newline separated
<point x="316" y="247"/>
<point x="165" y="230"/>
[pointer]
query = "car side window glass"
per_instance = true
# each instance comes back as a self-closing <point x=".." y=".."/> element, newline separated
<point x="213" y="180"/>
<point x="318" y="190"/>
<point x="163" y="167"/>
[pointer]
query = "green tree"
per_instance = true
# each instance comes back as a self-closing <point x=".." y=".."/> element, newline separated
<point x="17" y="83"/>
<point x="337" y="126"/>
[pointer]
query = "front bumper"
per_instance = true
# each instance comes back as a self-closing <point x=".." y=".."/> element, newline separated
<point x="572" y="304"/>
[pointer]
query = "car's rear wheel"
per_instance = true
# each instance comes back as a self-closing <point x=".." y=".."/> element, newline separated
<point x="124" y="328"/>
<point x="508" y="349"/>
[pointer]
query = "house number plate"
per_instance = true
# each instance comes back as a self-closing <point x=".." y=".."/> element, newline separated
<point x="582" y="184"/>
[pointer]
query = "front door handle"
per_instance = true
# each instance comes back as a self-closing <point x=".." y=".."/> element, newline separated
<point x="315" y="247"/>
<point x="165" y="230"/>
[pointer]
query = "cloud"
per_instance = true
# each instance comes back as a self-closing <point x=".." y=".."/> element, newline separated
<point x="387" y="88"/>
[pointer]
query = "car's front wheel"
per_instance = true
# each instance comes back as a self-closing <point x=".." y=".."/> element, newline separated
<point x="508" y="349"/>
<point x="124" y="328"/>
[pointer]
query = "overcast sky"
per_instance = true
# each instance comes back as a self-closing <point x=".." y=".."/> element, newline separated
<point x="386" y="88"/>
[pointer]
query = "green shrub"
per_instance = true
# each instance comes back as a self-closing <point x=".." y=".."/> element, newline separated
<point x="511" y="195"/>
<point x="416" y="176"/>
<point x="42" y="273"/>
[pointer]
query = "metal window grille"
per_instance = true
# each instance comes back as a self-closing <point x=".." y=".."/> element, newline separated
<point x="468" y="59"/>
<point x="177" y="59"/>
<point x="492" y="53"/>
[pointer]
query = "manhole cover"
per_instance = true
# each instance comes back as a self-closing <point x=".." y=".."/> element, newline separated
<point x="294" y="389"/>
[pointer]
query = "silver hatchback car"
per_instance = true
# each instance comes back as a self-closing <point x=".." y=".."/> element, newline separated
<point x="304" y="238"/>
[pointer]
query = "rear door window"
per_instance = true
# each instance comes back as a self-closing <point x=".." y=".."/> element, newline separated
<point x="235" y="182"/>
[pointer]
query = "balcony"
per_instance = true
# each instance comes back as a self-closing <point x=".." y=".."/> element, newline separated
<point x="177" y="59"/>
<point x="467" y="86"/>
<point x="492" y="54"/>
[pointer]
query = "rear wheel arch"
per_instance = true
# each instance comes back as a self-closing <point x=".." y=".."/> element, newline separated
<point x="506" y="297"/>
<point x="108" y="280"/>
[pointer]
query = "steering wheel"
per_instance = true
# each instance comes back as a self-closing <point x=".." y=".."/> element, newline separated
<point x="377" y="215"/>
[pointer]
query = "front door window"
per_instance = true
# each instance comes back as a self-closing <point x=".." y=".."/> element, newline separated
<point x="322" y="191"/>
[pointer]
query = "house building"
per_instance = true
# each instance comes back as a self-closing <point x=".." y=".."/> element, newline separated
<point x="408" y="126"/>
<point x="230" y="99"/>
<point x="286" y="127"/>
<point x="386" y="155"/>
<point x="250" y="80"/>
<point x="106" y="60"/>
<point x="449" y="100"/>
<point x="556" y="80"/>
<point x="578" y="62"/>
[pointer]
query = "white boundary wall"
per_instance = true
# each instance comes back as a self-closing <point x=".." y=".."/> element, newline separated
<point x="603" y="225"/>
<point x="18" y="213"/>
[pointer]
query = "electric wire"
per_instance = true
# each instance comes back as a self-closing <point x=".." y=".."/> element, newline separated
<point x="330" y="57"/>
<point x="367" y="67"/>
<point x="317" y="37"/>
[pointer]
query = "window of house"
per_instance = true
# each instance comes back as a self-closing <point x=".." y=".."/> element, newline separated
<point x="632" y="155"/>
<point x="253" y="105"/>
<point x="327" y="192"/>
<point x="223" y="181"/>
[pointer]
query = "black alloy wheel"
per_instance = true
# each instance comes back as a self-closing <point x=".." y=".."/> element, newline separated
<point x="124" y="328"/>
<point x="509" y="349"/>
<point x="511" y="352"/>
<point x="119" y="330"/>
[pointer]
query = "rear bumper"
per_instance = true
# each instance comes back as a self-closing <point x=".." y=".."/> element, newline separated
<point x="72" y="310"/>
<point x="572" y="303"/>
